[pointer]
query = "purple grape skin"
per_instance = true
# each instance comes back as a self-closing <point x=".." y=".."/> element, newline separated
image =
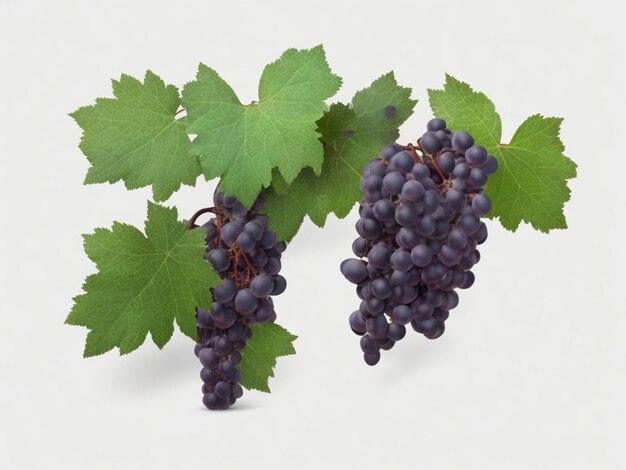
<point x="477" y="178"/>
<point x="446" y="162"/>
<point x="381" y="288"/>
<point x="393" y="182"/>
<point x="399" y="278"/>
<point x="481" y="234"/>
<point x="384" y="210"/>
<point x="461" y="141"/>
<point x="367" y="345"/>
<point x="457" y="239"/>
<point x="280" y="284"/>
<point x="245" y="302"/>
<point x="405" y="215"/>
<point x="402" y="314"/>
<point x="401" y="260"/>
<point x="490" y="166"/>
<point x="412" y="191"/>
<point x="379" y="256"/>
<point x="273" y="265"/>
<point x="371" y="229"/>
<point x="255" y="229"/>
<point x="354" y="270"/>
<point x="481" y="204"/>
<point x="222" y="346"/>
<point x="225" y="292"/>
<point x="208" y="357"/>
<point x="262" y="285"/>
<point x="377" y="326"/>
<point x="360" y="247"/>
<point x="219" y="259"/>
<point x="371" y="183"/>
<point x="390" y="151"/>
<point x="371" y="359"/>
<point x="436" y="124"/>
<point x="396" y="332"/>
<point x="357" y="323"/>
<point x="402" y="162"/>
<point x="429" y="143"/>
<point x="426" y="225"/>
<point x="407" y="238"/>
<point x="222" y="389"/>
<point x="420" y="171"/>
<point x="421" y="255"/>
<point x="245" y="241"/>
<point x="476" y="155"/>
<point x="230" y="232"/>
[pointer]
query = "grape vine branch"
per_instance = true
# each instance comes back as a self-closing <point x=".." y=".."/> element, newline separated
<point x="287" y="156"/>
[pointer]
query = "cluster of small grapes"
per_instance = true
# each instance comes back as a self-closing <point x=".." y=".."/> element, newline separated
<point x="246" y="255"/>
<point x="418" y="232"/>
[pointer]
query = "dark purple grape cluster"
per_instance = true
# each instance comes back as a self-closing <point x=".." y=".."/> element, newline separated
<point x="418" y="232"/>
<point x="246" y="255"/>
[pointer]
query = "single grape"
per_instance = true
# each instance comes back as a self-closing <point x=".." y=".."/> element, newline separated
<point x="476" y="155"/>
<point x="490" y="166"/>
<point x="393" y="182"/>
<point x="481" y="204"/>
<point x="402" y="314"/>
<point x="262" y="285"/>
<point x="381" y="288"/>
<point x="429" y="143"/>
<point x="436" y="124"/>
<point x="245" y="241"/>
<point x="402" y="162"/>
<point x="379" y="256"/>
<point x="280" y="284"/>
<point x="219" y="259"/>
<point x="401" y="260"/>
<point x="354" y="270"/>
<point x="360" y="247"/>
<point x="225" y="292"/>
<point x="446" y="162"/>
<point x="406" y="215"/>
<point x="384" y="210"/>
<point x="396" y="332"/>
<point x="412" y="191"/>
<point x="371" y="359"/>
<point x="245" y="302"/>
<point x="461" y="141"/>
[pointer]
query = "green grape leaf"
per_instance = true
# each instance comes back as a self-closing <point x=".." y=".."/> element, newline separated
<point x="243" y="143"/>
<point x="269" y="341"/>
<point x="531" y="182"/>
<point x="143" y="283"/>
<point x="136" y="137"/>
<point x="352" y="135"/>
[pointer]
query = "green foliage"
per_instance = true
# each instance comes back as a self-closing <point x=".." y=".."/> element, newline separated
<point x="269" y="341"/>
<point x="304" y="156"/>
<point x="531" y="182"/>
<point x="243" y="143"/>
<point x="136" y="137"/>
<point x="143" y="283"/>
<point x="352" y="135"/>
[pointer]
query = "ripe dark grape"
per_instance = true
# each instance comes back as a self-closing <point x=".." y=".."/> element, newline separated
<point x="245" y="253"/>
<point x="419" y="227"/>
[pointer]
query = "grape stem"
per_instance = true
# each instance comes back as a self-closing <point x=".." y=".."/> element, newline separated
<point x="413" y="149"/>
<point x="198" y="213"/>
<point x="234" y="253"/>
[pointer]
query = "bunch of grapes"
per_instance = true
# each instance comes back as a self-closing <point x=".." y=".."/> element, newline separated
<point x="418" y="232"/>
<point x="245" y="253"/>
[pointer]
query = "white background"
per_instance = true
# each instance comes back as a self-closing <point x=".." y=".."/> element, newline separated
<point x="530" y="373"/>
